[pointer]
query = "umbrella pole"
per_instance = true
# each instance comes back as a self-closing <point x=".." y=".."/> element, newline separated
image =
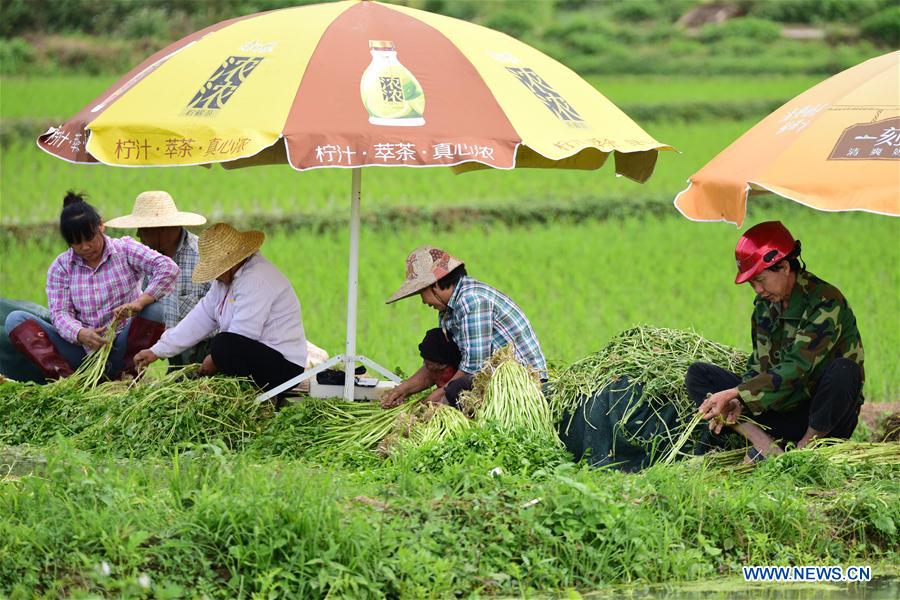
<point x="352" y="286"/>
<point x="349" y="357"/>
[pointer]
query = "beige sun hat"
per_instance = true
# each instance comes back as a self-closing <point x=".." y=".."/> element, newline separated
<point x="155" y="209"/>
<point x="221" y="247"/>
<point x="424" y="266"/>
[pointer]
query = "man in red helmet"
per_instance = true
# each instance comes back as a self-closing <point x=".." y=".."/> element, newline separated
<point x="805" y="375"/>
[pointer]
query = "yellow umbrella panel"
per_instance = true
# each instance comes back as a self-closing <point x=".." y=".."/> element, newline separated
<point x="836" y="147"/>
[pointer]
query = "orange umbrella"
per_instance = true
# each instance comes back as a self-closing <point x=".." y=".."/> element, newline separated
<point x="835" y="147"/>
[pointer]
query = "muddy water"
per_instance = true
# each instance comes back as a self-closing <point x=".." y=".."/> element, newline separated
<point x="880" y="588"/>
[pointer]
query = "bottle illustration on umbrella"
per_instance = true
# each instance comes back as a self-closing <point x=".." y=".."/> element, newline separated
<point x="390" y="92"/>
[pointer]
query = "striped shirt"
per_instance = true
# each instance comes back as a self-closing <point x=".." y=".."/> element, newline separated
<point x="481" y="320"/>
<point x="187" y="294"/>
<point x="79" y="296"/>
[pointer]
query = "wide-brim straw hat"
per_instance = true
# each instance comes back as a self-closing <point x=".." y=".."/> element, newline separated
<point x="424" y="266"/>
<point x="222" y="247"/>
<point x="156" y="209"/>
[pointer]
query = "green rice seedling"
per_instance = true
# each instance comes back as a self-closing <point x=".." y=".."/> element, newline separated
<point x="833" y="451"/>
<point x="656" y="359"/>
<point x="721" y="459"/>
<point x="432" y="424"/>
<point x="854" y="453"/>
<point x="34" y="414"/>
<point x="476" y="451"/>
<point x="307" y="429"/>
<point x="686" y="433"/>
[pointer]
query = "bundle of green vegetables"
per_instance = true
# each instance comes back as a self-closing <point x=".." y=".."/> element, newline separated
<point x="505" y="395"/>
<point x="653" y="359"/>
<point x="363" y="425"/>
<point x="93" y="367"/>
<point x="439" y="423"/>
<point x="508" y="394"/>
<point x="434" y="424"/>
<point x="141" y="417"/>
<point x="833" y="451"/>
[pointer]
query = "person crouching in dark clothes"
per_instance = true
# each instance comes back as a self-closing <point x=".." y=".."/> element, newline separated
<point x="805" y="376"/>
<point x="440" y="361"/>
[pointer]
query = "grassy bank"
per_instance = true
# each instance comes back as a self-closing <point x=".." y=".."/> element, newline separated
<point x="206" y="522"/>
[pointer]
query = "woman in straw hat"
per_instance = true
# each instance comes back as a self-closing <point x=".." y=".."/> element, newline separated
<point x="97" y="279"/>
<point x="161" y="226"/>
<point x="252" y="306"/>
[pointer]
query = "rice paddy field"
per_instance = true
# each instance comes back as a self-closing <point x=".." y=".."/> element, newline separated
<point x="142" y="493"/>
<point x="32" y="180"/>
<point x="279" y="191"/>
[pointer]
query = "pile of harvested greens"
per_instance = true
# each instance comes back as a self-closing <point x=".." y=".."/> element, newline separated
<point x="653" y="359"/>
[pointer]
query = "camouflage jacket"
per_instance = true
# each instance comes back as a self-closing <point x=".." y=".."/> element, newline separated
<point x="791" y="348"/>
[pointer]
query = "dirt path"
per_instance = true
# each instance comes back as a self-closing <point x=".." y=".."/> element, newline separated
<point x="872" y="412"/>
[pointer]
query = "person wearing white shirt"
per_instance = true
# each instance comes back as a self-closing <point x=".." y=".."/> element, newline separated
<point x="251" y="304"/>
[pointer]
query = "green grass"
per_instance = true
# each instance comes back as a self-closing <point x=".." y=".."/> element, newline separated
<point x="218" y="525"/>
<point x="60" y="96"/>
<point x="580" y="284"/>
<point x="64" y="95"/>
<point x="645" y="89"/>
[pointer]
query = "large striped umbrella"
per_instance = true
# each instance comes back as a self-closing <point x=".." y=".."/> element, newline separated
<point x="353" y="84"/>
<point x="835" y="147"/>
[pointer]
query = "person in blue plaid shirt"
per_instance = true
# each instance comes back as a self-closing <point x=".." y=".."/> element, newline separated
<point x="161" y="226"/>
<point x="475" y="316"/>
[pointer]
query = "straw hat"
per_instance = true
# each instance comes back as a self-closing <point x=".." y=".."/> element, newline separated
<point x="221" y="247"/>
<point x="156" y="209"/>
<point x="424" y="266"/>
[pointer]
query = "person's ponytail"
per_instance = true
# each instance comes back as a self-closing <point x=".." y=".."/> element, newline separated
<point x="72" y="197"/>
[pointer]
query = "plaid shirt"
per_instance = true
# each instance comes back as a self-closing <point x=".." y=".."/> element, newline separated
<point x="187" y="294"/>
<point x="482" y="320"/>
<point x="79" y="296"/>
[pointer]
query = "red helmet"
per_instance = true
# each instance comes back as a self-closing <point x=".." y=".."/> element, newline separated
<point x="760" y="247"/>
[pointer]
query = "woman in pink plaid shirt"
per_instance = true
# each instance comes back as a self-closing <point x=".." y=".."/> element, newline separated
<point x="96" y="279"/>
